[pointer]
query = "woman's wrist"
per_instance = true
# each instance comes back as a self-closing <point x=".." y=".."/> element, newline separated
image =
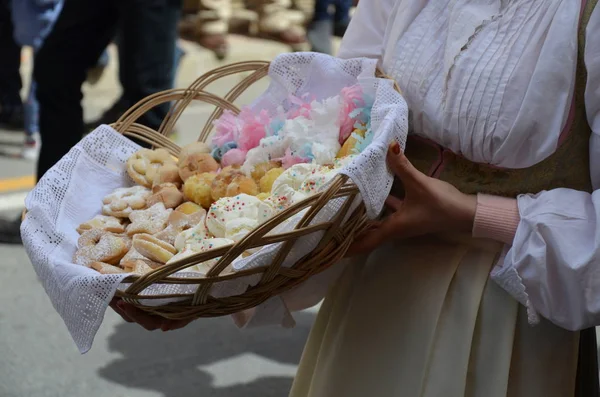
<point x="467" y="212"/>
<point x="496" y="218"/>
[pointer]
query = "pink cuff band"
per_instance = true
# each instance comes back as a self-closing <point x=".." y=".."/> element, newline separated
<point x="496" y="218"/>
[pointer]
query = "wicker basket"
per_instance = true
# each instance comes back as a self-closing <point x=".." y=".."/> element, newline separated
<point x="274" y="279"/>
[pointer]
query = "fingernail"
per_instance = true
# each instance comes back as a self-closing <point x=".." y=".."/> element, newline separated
<point x="395" y="148"/>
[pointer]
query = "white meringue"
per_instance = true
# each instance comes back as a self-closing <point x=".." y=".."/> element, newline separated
<point x="228" y="209"/>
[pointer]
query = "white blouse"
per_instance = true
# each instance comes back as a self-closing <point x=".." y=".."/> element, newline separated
<point x="493" y="80"/>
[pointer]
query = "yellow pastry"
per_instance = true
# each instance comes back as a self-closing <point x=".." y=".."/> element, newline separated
<point x="198" y="189"/>
<point x="222" y="180"/>
<point x="189" y="208"/>
<point x="242" y="184"/>
<point x="348" y="146"/>
<point x="266" y="182"/>
<point x="261" y="169"/>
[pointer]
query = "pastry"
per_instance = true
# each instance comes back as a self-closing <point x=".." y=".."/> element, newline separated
<point x="97" y="245"/>
<point x="228" y="209"/>
<point x="167" y="193"/>
<point x="195" y="147"/>
<point x="203" y="246"/>
<point x="262" y="196"/>
<point x="168" y="173"/>
<point x="132" y="256"/>
<point x="138" y="267"/>
<point x="107" y="223"/>
<point x="152" y="248"/>
<point x="189" y="208"/>
<point x="149" y="221"/>
<point x="196" y="233"/>
<point x="143" y="166"/>
<point x="123" y="201"/>
<point x="350" y="146"/>
<point x="105" y="268"/>
<point x="198" y="189"/>
<point x="242" y="184"/>
<point x="233" y="157"/>
<point x="295" y="176"/>
<point x="179" y="222"/>
<point x="266" y="182"/>
<point x="317" y="181"/>
<point x="196" y="163"/>
<point x="261" y="169"/>
<point x="221" y="182"/>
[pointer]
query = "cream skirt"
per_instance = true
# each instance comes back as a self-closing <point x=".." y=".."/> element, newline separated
<point x="421" y="318"/>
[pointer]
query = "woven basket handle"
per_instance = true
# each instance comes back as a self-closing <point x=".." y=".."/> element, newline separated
<point x="127" y="125"/>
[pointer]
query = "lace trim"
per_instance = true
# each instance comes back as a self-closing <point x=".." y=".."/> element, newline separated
<point x="508" y="278"/>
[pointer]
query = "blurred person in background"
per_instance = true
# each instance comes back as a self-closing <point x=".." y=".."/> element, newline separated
<point x="325" y="24"/>
<point x="276" y="21"/>
<point x="11" y="106"/>
<point x="130" y="83"/>
<point x="80" y="35"/>
<point x="32" y="22"/>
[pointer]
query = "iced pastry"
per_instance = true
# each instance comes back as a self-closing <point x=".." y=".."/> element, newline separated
<point x="228" y="209"/>
<point x="314" y="136"/>
<point x="317" y="181"/>
<point x="344" y="161"/>
<point x="194" y="234"/>
<point x="202" y="246"/>
<point x="295" y="176"/>
<point x="198" y="189"/>
<point x="233" y="157"/>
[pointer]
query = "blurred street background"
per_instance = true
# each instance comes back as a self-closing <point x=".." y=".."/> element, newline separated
<point x="209" y="358"/>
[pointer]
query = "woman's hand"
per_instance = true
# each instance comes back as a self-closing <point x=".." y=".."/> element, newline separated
<point x="429" y="206"/>
<point x="131" y="314"/>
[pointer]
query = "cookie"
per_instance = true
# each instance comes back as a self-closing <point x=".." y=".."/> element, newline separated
<point x="123" y="201"/>
<point x="103" y="222"/>
<point x="149" y="221"/>
<point x="167" y="193"/>
<point x="97" y="245"/>
<point x="178" y="222"/>
<point x="143" y="166"/>
<point x="152" y="248"/>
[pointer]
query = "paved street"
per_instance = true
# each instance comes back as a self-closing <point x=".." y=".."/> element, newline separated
<point x="208" y="358"/>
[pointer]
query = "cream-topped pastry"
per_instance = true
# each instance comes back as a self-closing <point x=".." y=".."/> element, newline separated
<point x="196" y="233"/>
<point x="228" y="209"/>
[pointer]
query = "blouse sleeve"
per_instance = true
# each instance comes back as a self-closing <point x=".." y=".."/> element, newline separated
<point x="553" y="264"/>
<point x="365" y="34"/>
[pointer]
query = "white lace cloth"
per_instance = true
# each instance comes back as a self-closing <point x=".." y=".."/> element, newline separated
<point x="71" y="192"/>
